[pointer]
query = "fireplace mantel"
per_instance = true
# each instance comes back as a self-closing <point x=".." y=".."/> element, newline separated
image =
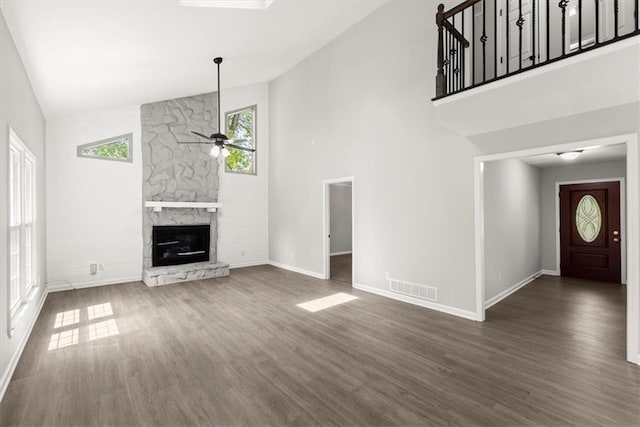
<point x="158" y="206"/>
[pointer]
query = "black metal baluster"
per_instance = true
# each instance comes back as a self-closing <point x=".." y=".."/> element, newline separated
<point x="449" y="61"/>
<point x="458" y="47"/>
<point x="533" y="31"/>
<point x="563" y="5"/>
<point x="579" y="24"/>
<point x="473" y="45"/>
<point x="520" y="23"/>
<point x="463" y="79"/>
<point x="446" y="62"/>
<point x="616" y="6"/>
<point x="495" y="39"/>
<point x="597" y="21"/>
<point x="635" y="12"/>
<point x="484" y="39"/>
<point x="508" y="32"/>
<point x="548" y="42"/>
<point x="454" y="56"/>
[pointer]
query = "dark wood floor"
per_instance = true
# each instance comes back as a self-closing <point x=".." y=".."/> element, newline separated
<point x="238" y="351"/>
<point x="341" y="269"/>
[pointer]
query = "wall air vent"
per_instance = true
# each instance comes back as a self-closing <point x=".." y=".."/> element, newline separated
<point x="428" y="293"/>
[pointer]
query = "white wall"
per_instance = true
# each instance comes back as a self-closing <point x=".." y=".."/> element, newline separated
<point x="340" y="218"/>
<point x="548" y="197"/>
<point x="512" y="224"/>
<point x="19" y="109"/>
<point x="360" y="107"/>
<point x="242" y="221"/>
<point x="94" y="208"/>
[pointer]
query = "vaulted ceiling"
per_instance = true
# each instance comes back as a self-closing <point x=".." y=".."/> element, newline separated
<point x="84" y="56"/>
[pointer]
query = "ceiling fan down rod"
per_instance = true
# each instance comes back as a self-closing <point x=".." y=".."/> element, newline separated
<point x="218" y="61"/>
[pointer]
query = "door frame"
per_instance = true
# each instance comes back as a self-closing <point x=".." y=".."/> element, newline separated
<point x="623" y="224"/>
<point x="632" y="225"/>
<point x="326" y="224"/>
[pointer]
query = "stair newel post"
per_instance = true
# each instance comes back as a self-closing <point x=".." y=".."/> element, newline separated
<point x="440" y="77"/>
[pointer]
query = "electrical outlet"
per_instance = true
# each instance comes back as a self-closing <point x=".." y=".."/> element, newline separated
<point x="101" y="267"/>
<point x="93" y="269"/>
<point x="242" y="253"/>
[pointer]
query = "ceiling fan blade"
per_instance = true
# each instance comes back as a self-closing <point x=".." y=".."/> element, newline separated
<point x="239" y="147"/>
<point x="199" y="134"/>
<point x="237" y="140"/>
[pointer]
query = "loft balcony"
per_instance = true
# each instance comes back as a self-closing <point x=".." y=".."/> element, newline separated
<point x="534" y="60"/>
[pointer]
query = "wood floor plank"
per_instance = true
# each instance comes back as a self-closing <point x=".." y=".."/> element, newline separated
<point x="238" y="351"/>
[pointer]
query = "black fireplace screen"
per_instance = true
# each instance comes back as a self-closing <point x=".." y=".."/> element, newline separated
<point x="180" y="244"/>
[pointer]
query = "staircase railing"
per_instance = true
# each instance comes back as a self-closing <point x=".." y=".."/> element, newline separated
<point x="481" y="41"/>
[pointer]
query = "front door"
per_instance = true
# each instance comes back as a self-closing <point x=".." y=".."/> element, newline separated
<point x="590" y="239"/>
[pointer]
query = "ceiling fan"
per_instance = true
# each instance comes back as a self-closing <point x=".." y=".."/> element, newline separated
<point x="219" y="140"/>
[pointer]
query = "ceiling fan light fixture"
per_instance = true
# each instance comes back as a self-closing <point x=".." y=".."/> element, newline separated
<point x="570" y="155"/>
<point x="215" y="151"/>
<point x="225" y="152"/>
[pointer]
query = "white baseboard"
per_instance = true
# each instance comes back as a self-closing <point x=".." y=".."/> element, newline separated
<point x="297" y="270"/>
<point x="551" y="272"/>
<point x="470" y="315"/>
<point x="66" y="286"/>
<point x="341" y="253"/>
<point x="13" y="363"/>
<point x="247" y="264"/>
<point x="502" y="295"/>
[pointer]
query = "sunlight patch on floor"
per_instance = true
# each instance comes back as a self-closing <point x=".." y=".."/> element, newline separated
<point x="100" y="310"/>
<point x="103" y="329"/>
<point x="67" y="318"/>
<point x="327" y="302"/>
<point x="64" y="339"/>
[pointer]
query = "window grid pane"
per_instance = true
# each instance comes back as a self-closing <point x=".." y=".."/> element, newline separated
<point x="14" y="266"/>
<point x="14" y="187"/>
<point x="28" y="258"/>
<point x="28" y="190"/>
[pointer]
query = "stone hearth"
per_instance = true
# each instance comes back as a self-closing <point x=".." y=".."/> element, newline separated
<point x="157" y="276"/>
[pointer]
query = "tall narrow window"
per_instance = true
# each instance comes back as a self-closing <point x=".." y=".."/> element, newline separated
<point x="22" y="223"/>
<point x="241" y="124"/>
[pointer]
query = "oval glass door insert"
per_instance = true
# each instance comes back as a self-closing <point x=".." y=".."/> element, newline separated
<point x="588" y="218"/>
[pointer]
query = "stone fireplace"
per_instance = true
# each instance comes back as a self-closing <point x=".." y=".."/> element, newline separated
<point x="184" y="173"/>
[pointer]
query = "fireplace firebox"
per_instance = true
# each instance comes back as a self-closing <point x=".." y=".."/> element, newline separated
<point x="180" y="244"/>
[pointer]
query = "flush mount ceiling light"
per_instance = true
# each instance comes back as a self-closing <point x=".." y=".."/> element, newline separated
<point x="228" y="4"/>
<point x="219" y="140"/>
<point x="570" y="155"/>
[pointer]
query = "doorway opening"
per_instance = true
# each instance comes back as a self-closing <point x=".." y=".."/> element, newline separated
<point x="504" y="256"/>
<point x="338" y="230"/>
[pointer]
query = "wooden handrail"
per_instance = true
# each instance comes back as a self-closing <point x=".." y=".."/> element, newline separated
<point x="455" y="33"/>
<point x="459" y="8"/>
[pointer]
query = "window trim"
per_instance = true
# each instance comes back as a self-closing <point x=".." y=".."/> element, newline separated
<point x="253" y="107"/>
<point x="25" y="290"/>
<point x="106" y="141"/>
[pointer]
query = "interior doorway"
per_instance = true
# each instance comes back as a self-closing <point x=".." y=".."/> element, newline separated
<point x="630" y="235"/>
<point x="338" y="229"/>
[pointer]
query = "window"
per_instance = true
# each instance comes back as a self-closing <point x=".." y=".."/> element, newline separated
<point x="22" y="223"/>
<point x="116" y="148"/>
<point x="241" y="124"/>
